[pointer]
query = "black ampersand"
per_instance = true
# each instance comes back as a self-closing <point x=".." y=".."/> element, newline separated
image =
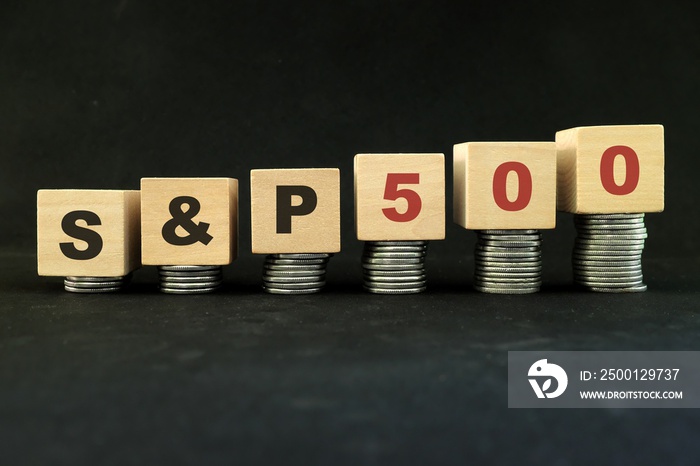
<point x="197" y="231"/>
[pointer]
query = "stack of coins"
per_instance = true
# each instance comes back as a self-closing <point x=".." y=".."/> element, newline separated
<point x="190" y="279"/>
<point x="508" y="261"/>
<point x="394" y="267"/>
<point x="95" y="284"/>
<point x="608" y="252"/>
<point x="295" y="273"/>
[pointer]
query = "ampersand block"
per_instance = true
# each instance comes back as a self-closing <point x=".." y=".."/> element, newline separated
<point x="505" y="185"/>
<point x="87" y="233"/>
<point x="400" y="197"/>
<point x="610" y="169"/>
<point x="189" y="221"/>
<point x="295" y="210"/>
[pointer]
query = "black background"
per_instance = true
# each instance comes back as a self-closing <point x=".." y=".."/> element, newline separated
<point x="100" y="94"/>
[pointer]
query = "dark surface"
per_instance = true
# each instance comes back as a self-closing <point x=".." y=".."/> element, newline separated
<point x="100" y="94"/>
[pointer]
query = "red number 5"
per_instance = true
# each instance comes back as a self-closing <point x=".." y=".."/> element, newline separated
<point x="392" y="193"/>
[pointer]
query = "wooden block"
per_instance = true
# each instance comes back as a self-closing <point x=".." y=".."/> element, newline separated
<point x="400" y="197"/>
<point x="611" y="169"/>
<point x="295" y="210"/>
<point x="189" y="221"/>
<point x="505" y="185"/>
<point x="87" y="233"/>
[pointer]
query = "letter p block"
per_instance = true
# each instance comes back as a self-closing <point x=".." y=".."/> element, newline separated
<point x="295" y="210"/>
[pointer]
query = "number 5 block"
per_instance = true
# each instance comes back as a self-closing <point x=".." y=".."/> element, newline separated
<point x="400" y="197"/>
<point x="505" y="185"/>
<point x="611" y="169"/>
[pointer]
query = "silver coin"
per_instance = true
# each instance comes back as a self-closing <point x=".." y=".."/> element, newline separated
<point x="612" y="239"/>
<point x="188" y="291"/>
<point x="588" y="240"/>
<point x="508" y="256"/>
<point x="302" y="256"/>
<point x="82" y="284"/>
<point x="618" y="253"/>
<point x="388" y="261"/>
<point x="628" y="289"/>
<point x="193" y="268"/>
<point x="293" y="268"/>
<point x="295" y="273"/>
<point x="397" y="243"/>
<point x="510" y="237"/>
<point x="399" y="285"/>
<point x="617" y="268"/>
<point x="298" y="280"/>
<point x="607" y="263"/>
<point x="393" y="273"/>
<point x="397" y="255"/>
<point x="297" y="262"/>
<point x="508" y="275"/>
<point x="73" y="289"/>
<point x="613" y="228"/>
<point x="274" y="290"/>
<point x="608" y="282"/>
<point x="190" y="286"/>
<point x="419" y="289"/>
<point x="514" y="282"/>
<point x="372" y="248"/>
<point x="295" y="286"/>
<point x="508" y="232"/>
<point x="399" y="279"/>
<point x="197" y="279"/>
<point x="612" y="247"/>
<point x="507" y="264"/>
<point x="395" y="267"/>
<point x="501" y="290"/>
<point x="206" y="273"/>
<point x="508" y="283"/>
<point x="508" y="272"/>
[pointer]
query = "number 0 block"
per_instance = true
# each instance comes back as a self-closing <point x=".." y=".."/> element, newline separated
<point x="295" y="210"/>
<point x="400" y="197"/>
<point x="611" y="169"/>
<point x="189" y="221"/>
<point x="505" y="185"/>
<point x="87" y="233"/>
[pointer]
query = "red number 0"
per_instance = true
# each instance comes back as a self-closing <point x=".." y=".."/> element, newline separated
<point x="607" y="170"/>
<point x="500" y="177"/>
<point x="392" y="193"/>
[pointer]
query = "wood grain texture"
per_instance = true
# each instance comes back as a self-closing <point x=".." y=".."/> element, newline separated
<point x="218" y="199"/>
<point x="315" y="232"/>
<point x="580" y="150"/>
<point x="119" y="228"/>
<point x="371" y="178"/>
<point x="475" y="164"/>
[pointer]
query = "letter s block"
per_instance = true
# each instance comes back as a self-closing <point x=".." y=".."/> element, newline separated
<point x="505" y="185"/>
<point x="611" y="169"/>
<point x="400" y="197"/>
<point x="87" y="233"/>
<point x="295" y="210"/>
<point x="189" y="221"/>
